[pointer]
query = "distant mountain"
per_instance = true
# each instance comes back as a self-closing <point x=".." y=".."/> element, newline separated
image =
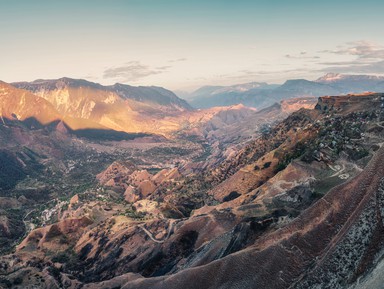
<point x="79" y="92"/>
<point x="210" y="89"/>
<point x="261" y="95"/>
<point x="302" y="87"/>
<point x="119" y="107"/>
<point x="17" y="104"/>
<point x="96" y="111"/>
<point x="256" y="94"/>
<point x="210" y="96"/>
<point x="353" y="83"/>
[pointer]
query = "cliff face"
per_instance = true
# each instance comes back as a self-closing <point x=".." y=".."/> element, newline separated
<point x="74" y="95"/>
<point x="22" y="105"/>
<point x="118" y="107"/>
<point x="348" y="103"/>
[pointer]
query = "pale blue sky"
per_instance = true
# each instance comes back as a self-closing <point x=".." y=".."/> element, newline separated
<point x="187" y="44"/>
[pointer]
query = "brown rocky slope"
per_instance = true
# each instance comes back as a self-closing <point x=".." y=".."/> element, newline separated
<point x="271" y="232"/>
<point x="329" y="245"/>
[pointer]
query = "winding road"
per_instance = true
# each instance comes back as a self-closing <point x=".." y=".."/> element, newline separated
<point x="150" y="235"/>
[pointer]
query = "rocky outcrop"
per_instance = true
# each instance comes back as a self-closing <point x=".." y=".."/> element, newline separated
<point x="135" y="183"/>
<point x="116" y="174"/>
<point x="348" y="103"/>
<point x="53" y="237"/>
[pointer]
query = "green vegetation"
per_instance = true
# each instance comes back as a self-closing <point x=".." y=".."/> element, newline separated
<point x="131" y="212"/>
<point x="11" y="171"/>
<point x="207" y="151"/>
<point x="17" y="281"/>
<point x="357" y="153"/>
<point x="61" y="257"/>
<point x="83" y="187"/>
<point x="169" y="151"/>
<point x="69" y="258"/>
<point x="33" y="155"/>
<point x="323" y="186"/>
<point x="298" y="151"/>
<point x="267" y="165"/>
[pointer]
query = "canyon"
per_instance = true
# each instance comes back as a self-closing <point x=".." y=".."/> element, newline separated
<point x="131" y="187"/>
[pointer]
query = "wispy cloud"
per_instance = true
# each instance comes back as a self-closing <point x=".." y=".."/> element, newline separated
<point x="361" y="49"/>
<point x="301" y="55"/>
<point x="258" y="75"/>
<point x="374" y="67"/>
<point x="133" y="71"/>
<point x="272" y="72"/>
<point x="163" y="67"/>
<point x="352" y="62"/>
<point x="177" y="60"/>
<point x="368" y="58"/>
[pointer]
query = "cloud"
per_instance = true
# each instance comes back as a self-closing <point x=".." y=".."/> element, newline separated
<point x="361" y="49"/>
<point x="343" y="63"/>
<point x="90" y="77"/>
<point x="368" y="58"/>
<point x="301" y="55"/>
<point x="374" y="67"/>
<point x="163" y="67"/>
<point x="132" y="71"/>
<point x="255" y="75"/>
<point x="177" y="60"/>
<point x="266" y="72"/>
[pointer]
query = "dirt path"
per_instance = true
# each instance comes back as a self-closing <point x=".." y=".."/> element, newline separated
<point x="368" y="187"/>
<point x="150" y="235"/>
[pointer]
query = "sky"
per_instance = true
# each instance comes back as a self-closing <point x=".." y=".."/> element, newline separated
<point x="183" y="45"/>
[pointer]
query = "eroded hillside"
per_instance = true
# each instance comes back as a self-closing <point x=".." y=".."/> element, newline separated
<point x="280" y="210"/>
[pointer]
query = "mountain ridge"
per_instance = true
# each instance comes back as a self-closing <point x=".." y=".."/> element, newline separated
<point x="329" y="84"/>
<point x="119" y="107"/>
<point x="123" y="90"/>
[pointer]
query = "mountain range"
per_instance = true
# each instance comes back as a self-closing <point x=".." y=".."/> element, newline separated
<point x="110" y="106"/>
<point x="88" y="105"/>
<point x="130" y="187"/>
<point x="89" y="108"/>
<point x="261" y="95"/>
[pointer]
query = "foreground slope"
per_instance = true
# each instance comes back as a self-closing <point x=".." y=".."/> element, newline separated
<point x="328" y="246"/>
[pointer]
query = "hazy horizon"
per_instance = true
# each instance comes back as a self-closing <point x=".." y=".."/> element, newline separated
<point x="183" y="45"/>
